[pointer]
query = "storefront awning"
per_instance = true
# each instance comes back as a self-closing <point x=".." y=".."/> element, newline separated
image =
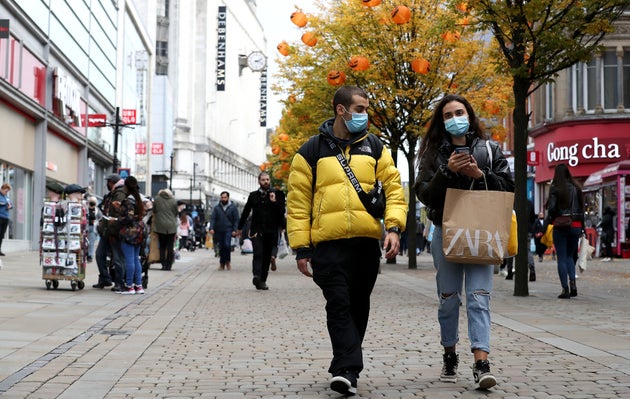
<point x="597" y="178"/>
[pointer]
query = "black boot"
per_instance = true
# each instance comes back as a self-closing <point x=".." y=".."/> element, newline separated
<point x="532" y="275"/>
<point x="564" y="294"/>
<point x="573" y="288"/>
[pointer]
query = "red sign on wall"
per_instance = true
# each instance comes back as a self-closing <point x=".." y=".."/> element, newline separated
<point x="157" y="148"/>
<point x="128" y="116"/>
<point x="141" y="148"/>
<point x="533" y="158"/>
<point x="94" y="120"/>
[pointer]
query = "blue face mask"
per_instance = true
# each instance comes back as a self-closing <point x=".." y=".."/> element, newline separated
<point x="457" y="126"/>
<point x="358" y="123"/>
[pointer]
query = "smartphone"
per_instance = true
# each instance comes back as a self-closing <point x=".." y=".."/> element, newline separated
<point x="462" y="150"/>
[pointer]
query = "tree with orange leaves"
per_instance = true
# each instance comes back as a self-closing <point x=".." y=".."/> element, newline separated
<point x="401" y="99"/>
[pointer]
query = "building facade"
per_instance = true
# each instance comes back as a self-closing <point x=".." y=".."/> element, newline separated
<point x="583" y="120"/>
<point x="219" y="100"/>
<point x="61" y="70"/>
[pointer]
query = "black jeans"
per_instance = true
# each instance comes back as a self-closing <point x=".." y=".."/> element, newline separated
<point x="110" y="246"/>
<point x="167" y="254"/>
<point x="346" y="271"/>
<point x="4" y="223"/>
<point x="263" y="245"/>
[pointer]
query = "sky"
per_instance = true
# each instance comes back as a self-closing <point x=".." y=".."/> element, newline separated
<point x="275" y="16"/>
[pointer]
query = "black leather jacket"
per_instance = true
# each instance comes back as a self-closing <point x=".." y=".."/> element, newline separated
<point x="434" y="177"/>
<point x="577" y="204"/>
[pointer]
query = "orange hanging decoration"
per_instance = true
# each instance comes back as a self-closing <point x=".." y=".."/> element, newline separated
<point x="278" y="174"/>
<point x="309" y="39"/>
<point x="401" y="15"/>
<point x="285" y="166"/>
<point x="451" y="36"/>
<point x="336" y="78"/>
<point x="299" y="19"/>
<point x="371" y="3"/>
<point x="359" y="63"/>
<point x="283" y="137"/>
<point x="462" y="7"/>
<point x="491" y="107"/>
<point x="275" y="150"/>
<point x="284" y="48"/>
<point x="420" y="65"/>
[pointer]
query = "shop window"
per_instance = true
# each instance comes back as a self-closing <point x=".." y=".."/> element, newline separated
<point x="609" y="83"/>
<point x="602" y="82"/>
<point x="549" y="101"/>
<point x="591" y="85"/>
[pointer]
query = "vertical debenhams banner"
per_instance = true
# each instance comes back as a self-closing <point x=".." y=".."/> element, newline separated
<point x="221" y="19"/>
<point x="263" y="98"/>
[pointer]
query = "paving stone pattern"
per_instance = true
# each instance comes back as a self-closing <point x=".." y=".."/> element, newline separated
<point x="203" y="333"/>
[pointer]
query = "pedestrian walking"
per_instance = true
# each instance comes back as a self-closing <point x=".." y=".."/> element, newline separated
<point x="332" y="231"/>
<point x="538" y="230"/>
<point x="108" y="230"/>
<point x="183" y="230"/>
<point x="420" y="239"/>
<point x="93" y="217"/>
<point x="5" y="207"/>
<point x="454" y="154"/>
<point x="224" y="226"/>
<point x="565" y="210"/>
<point x="131" y="236"/>
<point x="267" y="206"/>
<point x="607" y="232"/>
<point x="164" y="222"/>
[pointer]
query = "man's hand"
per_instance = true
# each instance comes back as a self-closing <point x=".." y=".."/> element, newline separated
<point x="211" y="231"/>
<point x="391" y="245"/>
<point x="272" y="196"/>
<point x="239" y="233"/>
<point x="302" y="265"/>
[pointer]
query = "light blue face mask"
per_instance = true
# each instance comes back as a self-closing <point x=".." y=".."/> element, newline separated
<point x="358" y="123"/>
<point x="457" y="126"/>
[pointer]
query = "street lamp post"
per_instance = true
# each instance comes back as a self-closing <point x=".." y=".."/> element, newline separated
<point x="116" y="132"/>
<point x="192" y="182"/>
<point x="170" y="177"/>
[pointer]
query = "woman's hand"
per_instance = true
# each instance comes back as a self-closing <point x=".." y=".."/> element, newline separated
<point x="471" y="169"/>
<point x="456" y="162"/>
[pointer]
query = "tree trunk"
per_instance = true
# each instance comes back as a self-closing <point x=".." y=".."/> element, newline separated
<point x="521" y="118"/>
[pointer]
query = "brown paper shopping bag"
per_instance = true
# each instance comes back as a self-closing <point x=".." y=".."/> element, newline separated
<point x="476" y="225"/>
<point x="154" y="248"/>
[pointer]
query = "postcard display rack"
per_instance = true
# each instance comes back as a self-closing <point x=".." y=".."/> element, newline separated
<point x="63" y="243"/>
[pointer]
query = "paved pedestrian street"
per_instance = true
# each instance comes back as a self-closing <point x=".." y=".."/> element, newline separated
<point x="203" y="333"/>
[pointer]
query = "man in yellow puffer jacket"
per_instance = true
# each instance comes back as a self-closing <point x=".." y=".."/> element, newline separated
<point x="331" y="230"/>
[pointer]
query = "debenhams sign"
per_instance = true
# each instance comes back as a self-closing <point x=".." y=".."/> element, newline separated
<point x="221" y="19"/>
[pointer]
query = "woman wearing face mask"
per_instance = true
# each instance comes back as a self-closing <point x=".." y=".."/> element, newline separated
<point x="454" y="154"/>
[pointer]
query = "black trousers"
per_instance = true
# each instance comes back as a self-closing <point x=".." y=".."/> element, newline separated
<point x="4" y="223"/>
<point x="263" y="245"/>
<point x="346" y="272"/>
<point x="167" y="254"/>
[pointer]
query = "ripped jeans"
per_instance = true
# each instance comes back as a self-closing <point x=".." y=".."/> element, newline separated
<point x="450" y="278"/>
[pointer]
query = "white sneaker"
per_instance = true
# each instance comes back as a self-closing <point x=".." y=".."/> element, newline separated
<point x="606" y="260"/>
<point x="503" y="272"/>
